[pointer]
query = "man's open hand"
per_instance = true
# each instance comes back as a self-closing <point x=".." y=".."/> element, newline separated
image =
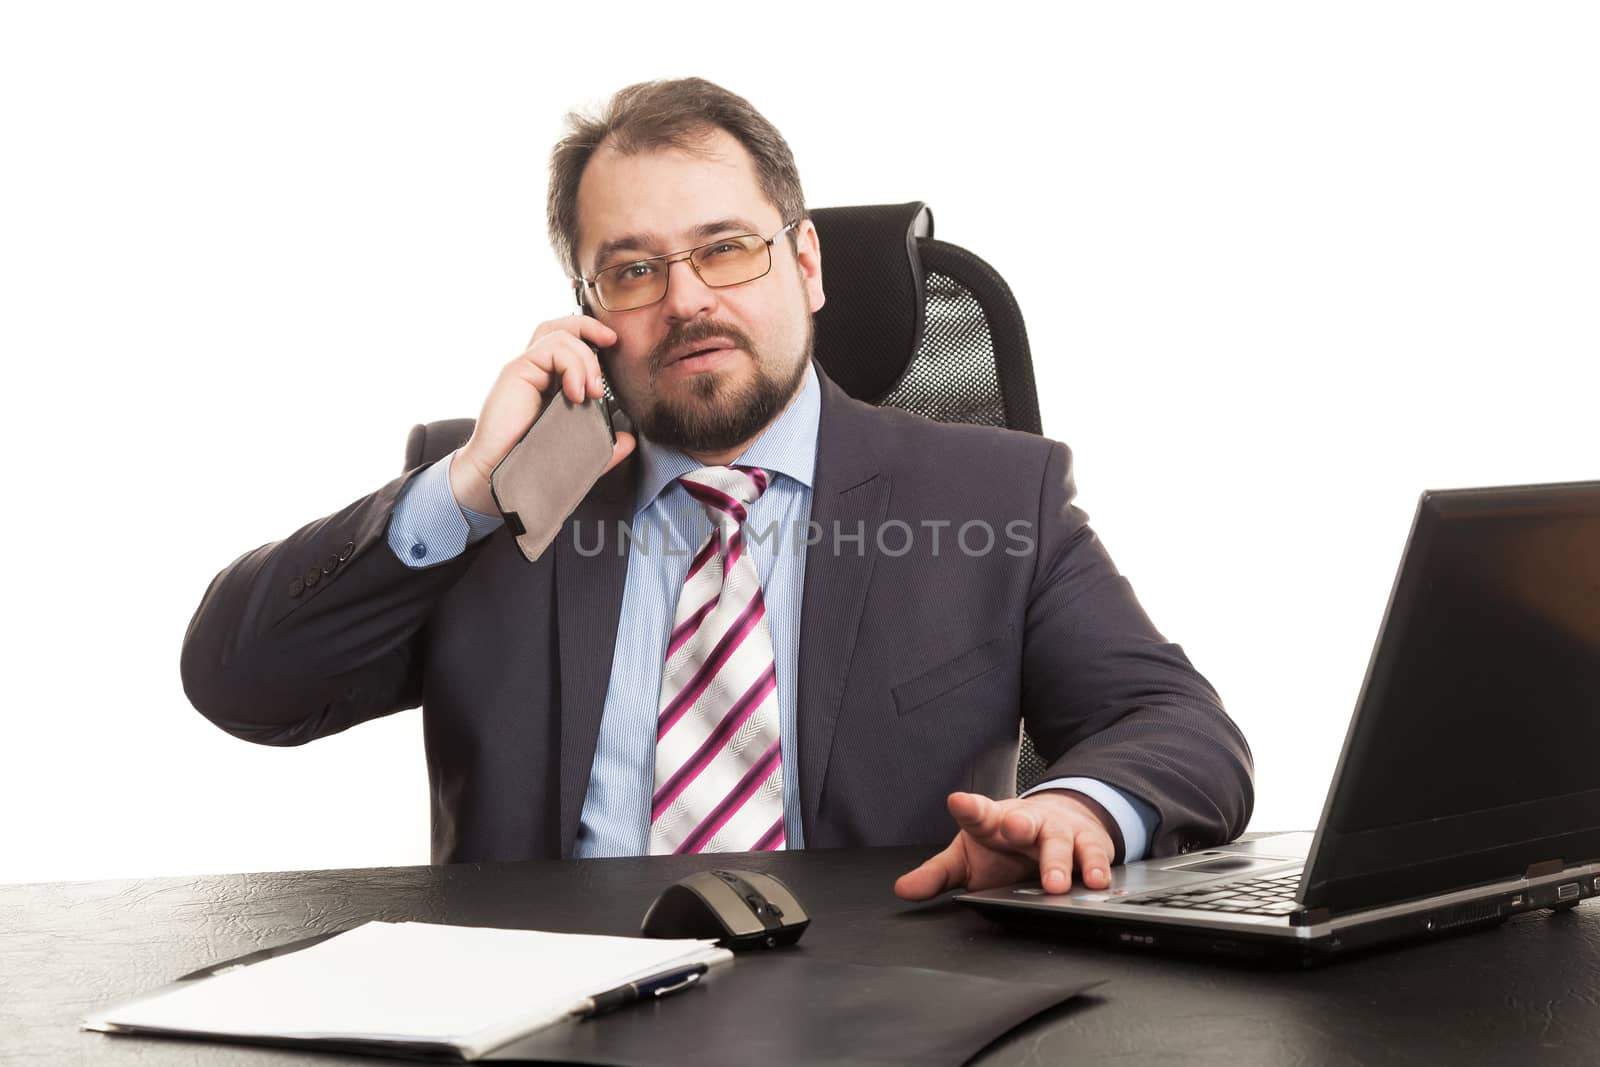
<point x="1007" y="841"/>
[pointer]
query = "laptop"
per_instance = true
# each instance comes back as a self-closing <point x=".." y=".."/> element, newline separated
<point x="1468" y="789"/>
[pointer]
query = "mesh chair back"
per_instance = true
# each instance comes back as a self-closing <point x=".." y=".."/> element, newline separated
<point x="920" y="324"/>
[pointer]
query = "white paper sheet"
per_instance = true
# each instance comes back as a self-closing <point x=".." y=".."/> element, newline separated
<point x="471" y="987"/>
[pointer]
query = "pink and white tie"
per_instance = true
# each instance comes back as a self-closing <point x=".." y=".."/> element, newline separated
<point x="719" y="773"/>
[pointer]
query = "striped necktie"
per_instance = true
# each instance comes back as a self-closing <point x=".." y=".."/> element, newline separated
<point x="719" y="774"/>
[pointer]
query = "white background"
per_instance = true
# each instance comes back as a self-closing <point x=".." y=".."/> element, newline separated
<point x="1283" y="266"/>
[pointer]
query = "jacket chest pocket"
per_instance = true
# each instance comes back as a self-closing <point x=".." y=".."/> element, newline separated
<point x="953" y="674"/>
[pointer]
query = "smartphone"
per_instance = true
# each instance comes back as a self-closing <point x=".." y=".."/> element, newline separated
<point x="547" y="473"/>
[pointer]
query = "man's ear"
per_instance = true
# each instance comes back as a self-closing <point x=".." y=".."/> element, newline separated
<point x="808" y="257"/>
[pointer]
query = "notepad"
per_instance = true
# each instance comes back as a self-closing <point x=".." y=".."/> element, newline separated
<point x="412" y="988"/>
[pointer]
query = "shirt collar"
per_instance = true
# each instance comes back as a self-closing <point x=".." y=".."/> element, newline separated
<point x="788" y="446"/>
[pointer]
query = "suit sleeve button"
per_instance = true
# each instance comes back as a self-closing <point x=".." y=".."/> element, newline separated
<point x="313" y="576"/>
<point x="329" y="564"/>
<point x="347" y="551"/>
<point x="296" y="586"/>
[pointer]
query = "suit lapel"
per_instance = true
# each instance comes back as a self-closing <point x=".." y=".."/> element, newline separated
<point x="589" y="587"/>
<point x="849" y="495"/>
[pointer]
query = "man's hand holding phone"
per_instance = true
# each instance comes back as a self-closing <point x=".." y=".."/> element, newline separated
<point x="560" y="350"/>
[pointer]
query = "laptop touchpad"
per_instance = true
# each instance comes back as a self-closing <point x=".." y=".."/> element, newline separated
<point x="1228" y="864"/>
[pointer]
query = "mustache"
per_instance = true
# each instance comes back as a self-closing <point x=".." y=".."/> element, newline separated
<point x="689" y="333"/>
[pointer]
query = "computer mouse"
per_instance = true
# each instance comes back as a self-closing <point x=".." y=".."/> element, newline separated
<point x="739" y="909"/>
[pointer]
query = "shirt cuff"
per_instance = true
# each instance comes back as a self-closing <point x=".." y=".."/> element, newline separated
<point x="428" y="526"/>
<point x="1136" y="819"/>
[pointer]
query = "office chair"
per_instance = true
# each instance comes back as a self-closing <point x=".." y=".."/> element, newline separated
<point x="910" y="322"/>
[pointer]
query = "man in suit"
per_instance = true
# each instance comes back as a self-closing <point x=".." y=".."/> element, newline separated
<point x="857" y="686"/>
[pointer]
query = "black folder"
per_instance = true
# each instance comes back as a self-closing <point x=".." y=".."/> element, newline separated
<point x="781" y="1008"/>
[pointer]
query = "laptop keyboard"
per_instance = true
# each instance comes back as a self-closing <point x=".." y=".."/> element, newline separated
<point x="1249" y="896"/>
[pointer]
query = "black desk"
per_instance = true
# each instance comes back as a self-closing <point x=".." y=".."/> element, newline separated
<point x="1528" y="991"/>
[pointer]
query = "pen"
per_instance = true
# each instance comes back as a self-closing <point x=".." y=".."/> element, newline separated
<point x="660" y="985"/>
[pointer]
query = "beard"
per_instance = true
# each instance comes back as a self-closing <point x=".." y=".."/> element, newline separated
<point x="718" y="412"/>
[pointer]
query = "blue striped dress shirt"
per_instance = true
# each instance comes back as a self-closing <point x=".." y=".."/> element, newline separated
<point x="429" y="527"/>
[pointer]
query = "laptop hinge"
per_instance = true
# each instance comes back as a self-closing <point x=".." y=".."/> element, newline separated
<point x="1545" y="869"/>
<point x="1310" y="918"/>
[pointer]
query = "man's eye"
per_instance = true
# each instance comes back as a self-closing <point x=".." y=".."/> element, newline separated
<point x="635" y="271"/>
<point x="721" y="249"/>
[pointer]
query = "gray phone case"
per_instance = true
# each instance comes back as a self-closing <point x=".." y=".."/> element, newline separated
<point x="546" y="475"/>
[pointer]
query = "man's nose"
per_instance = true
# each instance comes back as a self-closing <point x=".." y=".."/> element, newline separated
<point x="687" y="296"/>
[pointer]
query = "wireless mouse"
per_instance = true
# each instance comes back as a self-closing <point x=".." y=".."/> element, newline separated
<point x="740" y="909"/>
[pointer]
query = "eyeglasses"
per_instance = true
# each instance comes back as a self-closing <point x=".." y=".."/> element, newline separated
<point x="719" y="264"/>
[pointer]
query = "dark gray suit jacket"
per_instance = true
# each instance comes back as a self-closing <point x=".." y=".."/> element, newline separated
<point x="913" y="665"/>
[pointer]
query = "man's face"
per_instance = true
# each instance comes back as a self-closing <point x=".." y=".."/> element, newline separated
<point x="703" y="370"/>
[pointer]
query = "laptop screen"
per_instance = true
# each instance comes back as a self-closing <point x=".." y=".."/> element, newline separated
<point x="1474" y="753"/>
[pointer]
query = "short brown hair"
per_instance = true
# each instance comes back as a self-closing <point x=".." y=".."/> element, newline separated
<point x="666" y="114"/>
